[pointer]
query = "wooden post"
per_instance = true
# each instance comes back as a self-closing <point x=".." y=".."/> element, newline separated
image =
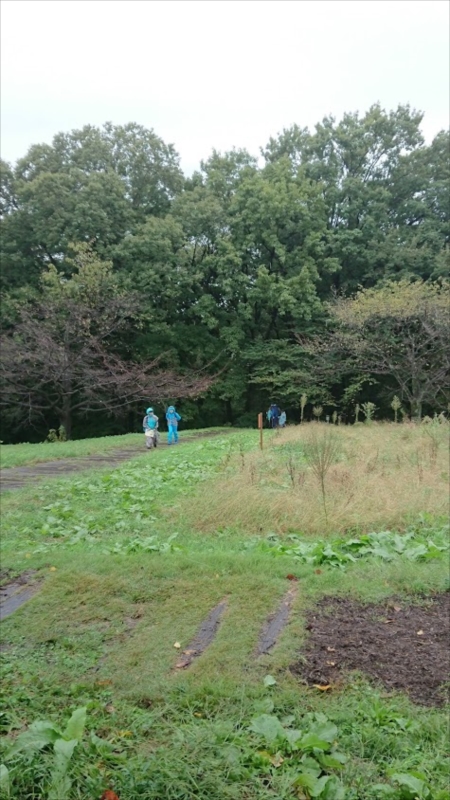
<point x="260" y="426"/>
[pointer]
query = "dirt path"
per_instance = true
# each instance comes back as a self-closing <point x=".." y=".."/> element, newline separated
<point x="20" y="477"/>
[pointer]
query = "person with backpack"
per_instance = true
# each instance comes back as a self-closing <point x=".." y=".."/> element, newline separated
<point x="150" y="425"/>
<point x="172" y="425"/>
<point x="274" y="412"/>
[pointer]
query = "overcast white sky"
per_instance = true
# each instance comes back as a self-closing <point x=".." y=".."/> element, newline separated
<point x="216" y="73"/>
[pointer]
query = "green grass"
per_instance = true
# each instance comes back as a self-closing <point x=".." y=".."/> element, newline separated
<point x="119" y="590"/>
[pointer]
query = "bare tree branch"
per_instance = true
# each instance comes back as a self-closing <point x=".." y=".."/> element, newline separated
<point x="61" y="358"/>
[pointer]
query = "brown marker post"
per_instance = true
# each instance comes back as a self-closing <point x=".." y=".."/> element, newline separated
<point x="260" y="426"/>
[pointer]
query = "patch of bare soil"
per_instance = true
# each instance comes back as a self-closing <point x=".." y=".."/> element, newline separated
<point x="404" y="647"/>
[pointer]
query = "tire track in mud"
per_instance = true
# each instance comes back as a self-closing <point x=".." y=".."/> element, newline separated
<point x="204" y="637"/>
<point x="16" y="592"/>
<point x="275" y="624"/>
<point x="270" y="633"/>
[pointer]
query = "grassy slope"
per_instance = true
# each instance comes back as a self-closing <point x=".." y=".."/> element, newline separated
<point x="185" y="734"/>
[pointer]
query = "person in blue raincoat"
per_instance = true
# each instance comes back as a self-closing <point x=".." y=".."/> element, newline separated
<point x="273" y="415"/>
<point x="172" y="425"/>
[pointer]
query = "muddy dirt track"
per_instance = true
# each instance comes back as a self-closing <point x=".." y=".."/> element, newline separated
<point x="20" y="477"/>
<point x="404" y="647"/>
<point x="16" y="592"/>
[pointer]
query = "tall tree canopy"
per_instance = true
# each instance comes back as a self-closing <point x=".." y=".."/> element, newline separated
<point x="232" y="264"/>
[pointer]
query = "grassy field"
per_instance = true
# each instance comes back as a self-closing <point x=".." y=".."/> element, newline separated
<point x="132" y="560"/>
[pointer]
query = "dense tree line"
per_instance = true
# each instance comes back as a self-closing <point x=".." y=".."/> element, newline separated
<point x="232" y="270"/>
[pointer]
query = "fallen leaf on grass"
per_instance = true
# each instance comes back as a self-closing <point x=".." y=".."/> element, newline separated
<point x="291" y="577"/>
<point x="109" y="795"/>
<point x="318" y="571"/>
<point x="177" y="645"/>
<point x="322" y="688"/>
<point x="197" y="714"/>
<point x="277" y="760"/>
<point x="110" y="709"/>
<point x="52" y="569"/>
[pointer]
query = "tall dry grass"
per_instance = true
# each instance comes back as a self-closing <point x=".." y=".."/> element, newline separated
<point x="381" y="476"/>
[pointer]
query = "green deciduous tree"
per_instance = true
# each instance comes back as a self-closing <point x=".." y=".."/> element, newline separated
<point x="386" y="194"/>
<point x="400" y="330"/>
<point x="91" y="185"/>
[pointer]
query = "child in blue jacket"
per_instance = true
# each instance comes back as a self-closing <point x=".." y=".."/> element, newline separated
<point x="150" y="423"/>
<point x="172" y="422"/>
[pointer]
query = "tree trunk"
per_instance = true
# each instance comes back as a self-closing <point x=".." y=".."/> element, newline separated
<point x="229" y="411"/>
<point x="66" y="417"/>
<point x="416" y="409"/>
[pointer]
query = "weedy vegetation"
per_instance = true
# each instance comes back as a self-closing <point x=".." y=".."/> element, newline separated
<point x="321" y="478"/>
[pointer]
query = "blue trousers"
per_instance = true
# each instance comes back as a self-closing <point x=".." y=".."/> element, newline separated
<point x="173" y="434"/>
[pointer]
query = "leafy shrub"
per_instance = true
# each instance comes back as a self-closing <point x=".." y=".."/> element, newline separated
<point x="57" y="435"/>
